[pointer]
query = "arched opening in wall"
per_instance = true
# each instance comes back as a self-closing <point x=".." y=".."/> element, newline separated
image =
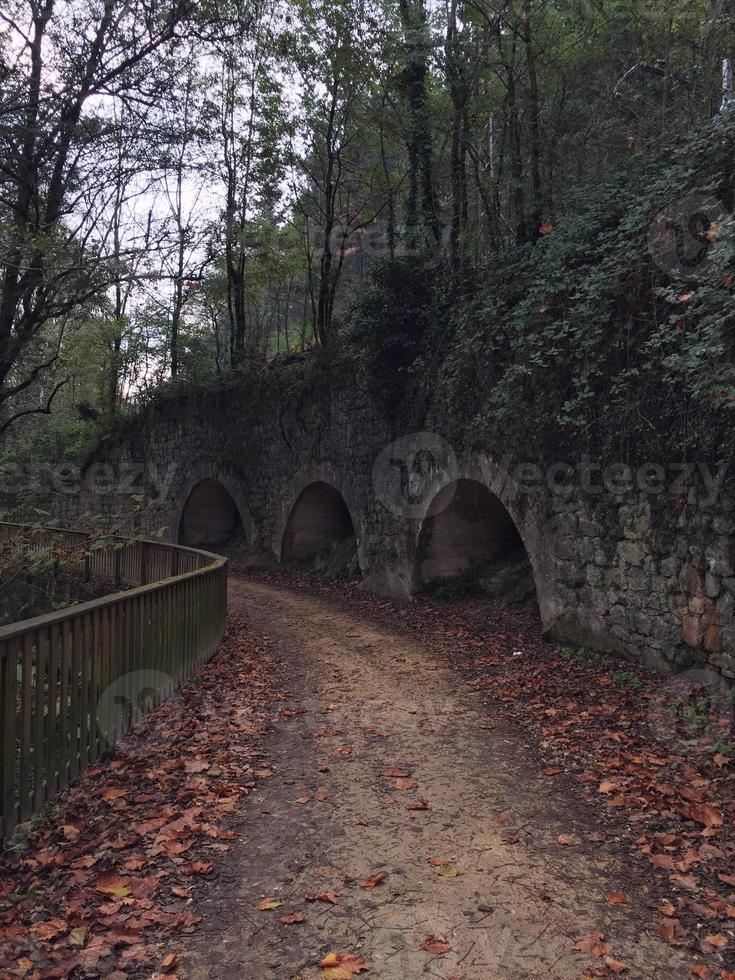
<point x="469" y="545"/>
<point x="210" y="517"/>
<point x="320" y="532"/>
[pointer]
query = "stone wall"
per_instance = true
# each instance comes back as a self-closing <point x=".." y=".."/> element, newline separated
<point x="651" y="581"/>
<point x="648" y="577"/>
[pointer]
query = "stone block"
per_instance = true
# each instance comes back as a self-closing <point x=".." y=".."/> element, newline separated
<point x="590" y="529"/>
<point x="725" y="609"/>
<point x="712" y="639"/>
<point x="692" y="630"/>
<point x="720" y="557"/>
<point x="631" y="552"/>
<point x="670" y="567"/>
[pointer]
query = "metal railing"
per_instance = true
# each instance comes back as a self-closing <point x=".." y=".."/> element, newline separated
<point x="73" y="682"/>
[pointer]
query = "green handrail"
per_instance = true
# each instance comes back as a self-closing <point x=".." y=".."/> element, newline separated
<point x="74" y="681"/>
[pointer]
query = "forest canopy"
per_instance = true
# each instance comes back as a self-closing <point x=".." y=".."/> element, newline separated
<point x="524" y="206"/>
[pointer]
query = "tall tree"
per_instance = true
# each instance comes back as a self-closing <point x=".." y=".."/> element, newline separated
<point x="72" y="59"/>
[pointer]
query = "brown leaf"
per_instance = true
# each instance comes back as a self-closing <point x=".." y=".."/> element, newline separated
<point x="432" y="944"/>
<point x="112" y="793"/>
<point x="405" y="784"/>
<point x="592" y="943"/>
<point x="329" y="898"/>
<point x="197" y="868"/>
<point x="420" y="805"/>
<point x="617" y="898"/>
<point x="290" y="920"/>
<point x="395" y="773"/>
<point x="614" y="965"/>
<point x="51" y="928"/>
<point x="112" y="884"/>
<point x="668" y="928"/>
<point x="662" y="861"/>
<point x="702" y="813"/>
<point x="372" y="880"/>
<point x="268" y="904"/>
<point x="342" y="966"/>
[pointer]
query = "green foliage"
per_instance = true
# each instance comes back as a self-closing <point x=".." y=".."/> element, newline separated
<point x="393" y="325"/>
<point x="584" y="343"/>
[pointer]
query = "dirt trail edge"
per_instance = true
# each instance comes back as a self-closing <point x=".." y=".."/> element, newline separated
<point x="480" y="868"/>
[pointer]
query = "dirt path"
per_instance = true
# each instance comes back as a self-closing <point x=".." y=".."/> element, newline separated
<point x="368" y="700"/>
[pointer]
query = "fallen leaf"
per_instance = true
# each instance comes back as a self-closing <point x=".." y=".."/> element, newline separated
<point x="614" y="965"/>
<point x="329" y="898"/>
<point x="395" y="773"/>
<point x="432" y="944"/>
<point x="270" y="903"/>
<point x="405" y="784"/>
<point x="342" y="966"/>
<point x="50" y="929"/>
<point x="197" y="867"/>
<point x="662" y="861"/>
<point x="617" y="898"/>
<point x="290" y="920"/>
<point x="448" y="870"/>
<point x="113" y="794"/>
<point x="592" y="943"/>
<point x="668" y="928"/>
<point x="372" y="880"/>
<point x="113" y="885"/>
<point x="702" y="813"/>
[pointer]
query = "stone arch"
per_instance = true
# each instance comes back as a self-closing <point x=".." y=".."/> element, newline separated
<point x="465" y="525"/>
<point x="513" y="516"/>
<point x="318" y="521"/>
<point x="212" y="508"/>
